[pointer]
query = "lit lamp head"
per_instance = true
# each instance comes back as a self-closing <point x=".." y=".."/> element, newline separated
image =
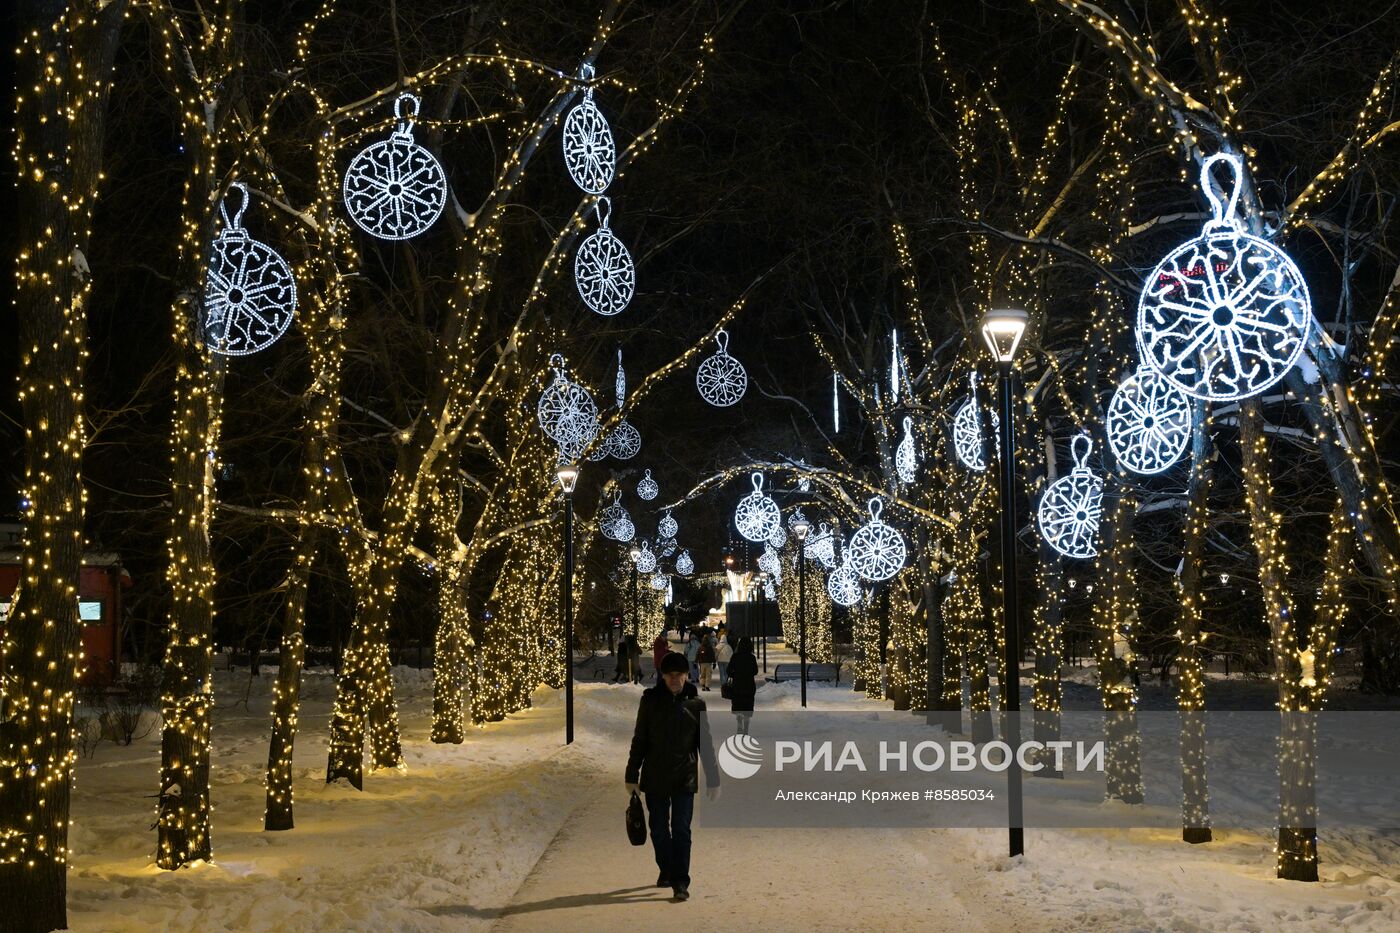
<point x="1003" y="329"/>
<point x="567" y="474"/>
<point x="635" y="552"/>
<point x="801" y="527"/>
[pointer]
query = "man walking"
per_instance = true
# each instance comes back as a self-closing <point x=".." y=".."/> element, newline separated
<point x="670" y="736"/>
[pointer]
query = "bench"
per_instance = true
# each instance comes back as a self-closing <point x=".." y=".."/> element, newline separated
<point x="827" y="672"/>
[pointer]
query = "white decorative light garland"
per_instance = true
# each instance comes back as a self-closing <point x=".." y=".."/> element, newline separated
<point x="1069" y="509"/>
<point x="721" y="379"/>
<point x="395" y="189"/>
<point x="250" y="294"/>
<point x="1225" y="315"/>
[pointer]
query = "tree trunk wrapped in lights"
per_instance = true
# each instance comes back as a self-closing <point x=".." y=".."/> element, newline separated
<point x="1191" y="699"/>
<point x="1115" y="614"/>
<point x="450" y="639"/>
<point x="63" y="69"/>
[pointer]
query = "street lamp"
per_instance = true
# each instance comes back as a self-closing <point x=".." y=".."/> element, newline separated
<point x="762" y="580"/>
<point x="635" y="552"/>
<point x="800" y="527"/>
<point x="567" y="475"/>
<point x="1003" y="330"/>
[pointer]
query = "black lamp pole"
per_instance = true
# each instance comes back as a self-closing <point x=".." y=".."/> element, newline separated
<point x="802" y="619"/>
<point x="568" y="587"/>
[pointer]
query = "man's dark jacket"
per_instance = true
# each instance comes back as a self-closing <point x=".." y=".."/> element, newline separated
<point x="671" y="731"/>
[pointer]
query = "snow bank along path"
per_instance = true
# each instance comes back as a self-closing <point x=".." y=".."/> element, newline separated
<point x="512" y="831"/>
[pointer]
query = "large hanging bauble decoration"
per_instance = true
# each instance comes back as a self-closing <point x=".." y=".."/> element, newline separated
<point x="647" y="488"/>
<point x="614" y="522"/>
<point x="646" y="560"/>
<point x="624" y="530"/>
<point x="757" y="514"/>
<point x="685" y="564"/>
<point x="967" y="431"/>
<point x="721" y="379"/>
<point x="778" y="538"/>
<point x="602" y="449"/>
<point x="843" y="586"/>
<point x="1149" y="422"/>
<point x="668" y="526"/>
<point x="603" y="268"/>
<point x="877" y="550"/>
<point x="659" y="580"/>
<point x="624" y="441"/>
<point x="768" y="561"/>
<point x="567" y="413"/>
<point x="1069" y="510"/>
<point x="395" y="189"/>
<point x="666" y="546"/>
<point x="250" y="294"/>
<point x="821" y="546"/>
<point x="1226" y="314"/>
<point x="590" y="154"/>
<point x="905" y="455"/>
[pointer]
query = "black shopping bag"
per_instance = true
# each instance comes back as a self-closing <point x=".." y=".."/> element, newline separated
<point x="726" y="689"/>
<point x="636" y="822"/>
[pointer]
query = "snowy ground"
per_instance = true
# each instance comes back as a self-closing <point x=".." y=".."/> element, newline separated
<point x="511" y="829"/>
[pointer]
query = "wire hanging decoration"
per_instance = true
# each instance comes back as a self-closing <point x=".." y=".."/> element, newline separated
<point x="967" y="431"/>
<point x="666" y="546"/>
<point x="250" y="294"/>
<point x="768" y="561"/>
<point x="906" y="455"/>
<point x="603" y="269"/>
<point x="757" y="514"/>
<point x="395" y="189"/>
<point x="877" y="550"/>
<point x="1225" y="315"/>
<point x="721" y="379"/>
<point x="685" y="564"/>
<point x="659" y="580"/>
<point x="613" y="521"/>
<point x="778" y="538"/>
<point x="668" y="526"/>
<point x="647" y="487"/>
<point x="1069" y="510"/>
<point x="843" y="586"/>
<point x="590" y="154"/>
<point x="646" y="560"/>
<point x="1148" y="422"/>
<point x="567" y="413"/>
<point x="822" y="545"/>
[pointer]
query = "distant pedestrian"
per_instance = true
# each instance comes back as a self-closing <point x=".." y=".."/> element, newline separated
<point x="692" y="651"/>
<point x="743" y="677"/>
<point x="705" y="658"/>
<point x="723" y="652"/>
<point x="670" y="736"/>
<point x="636" y="649"/>
<point x="659" y="648"/>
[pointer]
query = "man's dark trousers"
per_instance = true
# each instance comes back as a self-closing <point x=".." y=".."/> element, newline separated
<point x="669" y="818"/>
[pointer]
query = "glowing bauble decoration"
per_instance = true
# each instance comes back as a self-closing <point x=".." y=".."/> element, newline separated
<point x="843" y="586"/>
<point x="1226" y="314"/>
<point x="250" y="294"/>
<point x="615" y="523"/>
<point x="659" y="581"/>
<point x="624" y="441"/>
<point x="967" y="432"/>
<point x="601" y="450"/>
<point x="685" y="564"/>
<point x="1149" y="422"/>
<point x="769" y="593"/>
<point x="603" y="268"/>
<point x="821" y="546"/>
<point x="768" y="561"/>
<point x="778" y="538"/>
<point x="1068" y="513"/>
<point x="668" y="526"/>
<point x="590" y="154"/>
<point x="905" y="457"/>
<point x="647" y="488"/>
<point x="567" y="413"/>
<point x="757" y="514"/>
<point x="395" y="189"/>
<point x="877" y="550"/>
<point x="795" y="518"/>
<point x="646" y="560"/>
<point x="666" y="547"/>
<point x="721" y="379"/>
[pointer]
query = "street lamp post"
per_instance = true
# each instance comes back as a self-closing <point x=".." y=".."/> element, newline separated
<point x="635" y="553"/>
<point x="762" y="580"/>
<point x="567" y="474"/>
<point x="799" y="531"/>
<point x="1002" y="330"/>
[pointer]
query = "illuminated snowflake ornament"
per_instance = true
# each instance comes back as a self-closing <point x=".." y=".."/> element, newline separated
<point x="603" y="268"/>
<point x="624" y="530"/>
<point x="567" y="413"/>
<point x="721" y="379"/>
<point x="668" y="526"/>
<point x="666" y="547"/>
<point x="1069" y="509"/>
<point x="778" y="538"/>
<point x="624" y="441"/>
<point x="685" y="564"/>
<point x="877" y="550"/>
<point x="659" y="580"/>
<point x="646" y="560"/>
<point x="905" y="455"/>
<point x="590" y="154"/>
<point x="967" y="432"/>
<point x="768" y="561"/>
<point x="614" y="522"/>
<point x="1149" y="422"/>
<point x="843" y="586"/>
<point x="757" y="514"/>
<point x="822" y="546"/>
<point x="395" y="189"/>
<point x="1225" y="315"/>
<point x="250" y="294"/>
<point x="647" y="488"/>
<point x="769" y="593"/>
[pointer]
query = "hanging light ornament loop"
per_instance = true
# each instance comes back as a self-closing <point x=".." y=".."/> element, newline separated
<point x="646" y="560"/>
<point x="590" y="154"/>
<point x="685" y="564"/>
<point x="647" y="488"/>
<point x="905" y="455"/>
<point x="395" y="189"/>
<point x="1069" y="509"/>
<point x="757" y="515"/>
<point x="967" y="431"/>
<point x="668" y="526"/>
<point x="1148" y="422"/>
<point x="603" y="269"/>
<point x="1225" y="315"/>
<point x="721" y="379"/>
<point x="877" y="551"/>
<point x="567" y="413"/>
<point x="250" y="294"/>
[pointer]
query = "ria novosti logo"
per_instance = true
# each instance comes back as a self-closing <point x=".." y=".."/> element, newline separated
<point x="740" y="756"/>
